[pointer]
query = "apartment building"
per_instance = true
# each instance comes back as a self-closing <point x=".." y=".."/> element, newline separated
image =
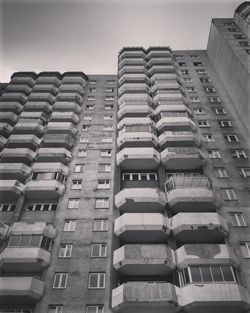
<point x="129" y="193"/>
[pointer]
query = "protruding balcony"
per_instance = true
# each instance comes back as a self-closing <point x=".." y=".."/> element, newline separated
<point x="205" y="254"/>
<point x="199" y="227"/>
<point x="142" y="228"/>
<point x="160" y="61"/>
<point x="20" y="289"/>
<point x="67" y="106"/>
<point x="10" y="190"/>
<point x="69" y="97"/>
<point x="144" y="260"/>
<point x="135" y="99"/>
<point x="181" y="123"/>
<point x="163" y="77"/>
<point x="16" y="171"/>
<point x="18" y="88"/>
<point x="51" y="80"/>
<point x="35" y="128"/>
<point x="18" y="155"/>
<point x="141" y="110"/>
<point x="159" y="53"/>
<point x="132" y="61"/>
<point x="45" y="88"/>
<point x="177" y="107"/>
<point x="181" y="158"/>
<point x="133" y="88"/>
<point x="169" y="68"/>
<point x="178" y="139"/>
<point x="13" y="97"/>
<point x="138" y="158"/>
<point x="61" y="155"/>
<point x="37" y="107"/>
<point x="61" y="128"/>
<point x="214" y="298"/>
<point x="41" y="97"/>
<point x="74" y="79"/>
<point x="75" y="88"/>
<point x="58" y="141"/>
<point x="14" y="107"/>
<point x="5" y="129"/>
<point x="137" y="139"/>
<point x="137" y="121"/>
<point x="23" y="80"/>
<point x="3" y="142"/>
<point x="148" y="297"/>
<point x="4" y="230"/>
<point x="140" y="200"/>
<point x="64" y="117"/>
<point x="133" y="78"/>
<point x="132" y="53"/>
<point x="24" y="141"/>
<point x="191" y="193"/>
<point x="8" y="117"/>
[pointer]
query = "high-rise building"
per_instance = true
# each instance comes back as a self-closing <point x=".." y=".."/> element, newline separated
<point x="130" y="193"/>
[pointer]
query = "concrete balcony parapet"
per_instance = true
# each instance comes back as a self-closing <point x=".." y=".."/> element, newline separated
<point x="137" y="139"/>
<point x="63" y="106"/>
<point x="54" y="155"/>
<point x="16" y="171"/>
<point x="11" y="190"/>
<point x="178" y="139"/>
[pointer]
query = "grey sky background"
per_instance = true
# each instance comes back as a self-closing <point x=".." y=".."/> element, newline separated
<point x="86" y="35"/>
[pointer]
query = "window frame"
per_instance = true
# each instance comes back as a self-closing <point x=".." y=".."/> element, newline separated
<point x="60" y="274"/>
<point x="101" y="277"/>
<point x="100" y="245"/>
<point x="63" y="254"/>
<point x="71" y="223"/>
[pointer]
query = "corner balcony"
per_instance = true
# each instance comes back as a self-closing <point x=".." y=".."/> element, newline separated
<point x="48" y="80"/>
<point x="214" y="298"/>
<point x="61" y="155"/>
<point x="178" y="139"/>
<point x="190" y="194"/>
<point x="24" y="141"/>
<point x="144" y="260"/>
<point x="14" y="107"/>
<point x="138" y="158"/>
<point x="23" y="80"/>
<point x="8" y="117"/>
<point x="137" y="139"/>
<point x="61" y="128"/>
<point x="140" y="200"/>
<point x="181" y="158"/>
<point x="37" y="107"/>
<point x="145" y="297"/>
<point x="5" y="129"/>
<point x="44" y="189"/>
<point x="175" y="123"/>
<point x="19" y="88"/>
<point x="11" y="190"/>
<point x="13" y="97"/>
<point x="142" y="110"/>
<point x="18" y="155"/>
<point x="199" y="227"/>
<point x="35" y="128"/>
<point x="69" y="97"/>
<point x="142" y="228"/>
<point x="16" y="171"/>
<point x="135" y="99"/>
<point x="41" y="97"/>
<point x="67" y="106"/>
<point x="22" y="290"/>
<point x="69" y="117"/>
<point x="205" y="254"/>
<point x="58" y="141"/>
<point x="75" y="88"/>
<point x="45" y="88"/>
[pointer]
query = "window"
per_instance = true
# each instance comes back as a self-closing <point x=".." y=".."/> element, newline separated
<point x="30" y="241"/>
<point x="74" y="203"/>
<point x="108" y="107"/>
<point x="108" y="117"/>
<point x="207" y="137"/>
<point x="96" y="281"/>
<point x="15" y="310"/>
<point x="98" y="250"/>
<point x="102" y="203"/>
<point x="201" y="71"/>
<point x="69" y="225"/>
<point x="105" y="152"/>
<point x="87" y="117"/>
<point x="245" y="249"/>
<point x="187" y="79"/>
<point x="214" y="99"/>
<point x="220" y="172"/>
<point x="91" y="98"/>
<point x="79" y="168"/>
<point x="205" y="80"/>
<point x="185" y="72"/>
<point x="219" y="111"/>
<point x="95" y="308"/>
<point x="245" y="171"/>
<point x="244" y="43"/>
<point x="89" y="106"/>
<point x="54" y="308"/>
<point x="100" y="224"/>
<point x="199" y="111"/>
<point x="104" y="167"/>
<point x="110" y="89"/>
<point x="84" y="140"/>
<point x="42" y="207"/>
<point x="4" y="207"/>
<point x="190" y="89"/>
<point x="237" y="219"/>
<point x="247" y="51"/>
<point x="60" y="280"/>
<point x="109" y="98"/>
<point x="65" y="250"/>
<point x="82" y="153"/>
<point x="182" y="64"/>
<point x="194" y="56"/>
<point x="107" y="140"/>
<point x="76" y="184"/>
<point x="139" y="176"/>
<point x="48" y="176"/>
<point x="103" y="184"/>
<point x="231" y="138"/>
<point x="108" y="128"/>
<point x="203" y="124"/>
<point x="110" y="82"/>
<point x="195" y="99"/>
<point x="93" y="82"/>
<point x="197" y="64"/>
<point x="229" y="194"/>
<point x="238" y="154"/>
<point x="229" y="24"/>
<point x="209" y="89"/>
<point x="233" y="30"/>
<point x="239" y="36"/>
<point x="225" y="123"/>
<point x="85" y="128"/>
<point x="92" y="89"/>
<point x="214" y="154"/>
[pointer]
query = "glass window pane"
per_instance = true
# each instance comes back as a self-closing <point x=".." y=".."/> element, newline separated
<point x="25" y="239"/>
<point x="35" y="240"/>
<point x="195" y="274"/>
<point x="227" y="273"/>
<point x="206" y="274"/>
<point x="216" y="272"/>
<point x="14" y="241"/>
<point x="93" y="280"/>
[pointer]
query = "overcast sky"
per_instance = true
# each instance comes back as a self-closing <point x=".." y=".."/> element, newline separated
<point x="86" y="35"/>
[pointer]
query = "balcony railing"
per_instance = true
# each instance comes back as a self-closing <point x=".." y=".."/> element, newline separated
<point x="188" y="182"/>
<point x="16" y="171"/>
<point x="19" y="88"/>
<point x="54" y="155"/>
<point x="63" y="106"/>
<point x="18" y="155"/>
<point x="37" y="107"/>
<point x="11" y="190"/>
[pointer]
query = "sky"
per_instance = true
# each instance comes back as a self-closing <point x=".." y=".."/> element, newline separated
<point x="86" y="35"/>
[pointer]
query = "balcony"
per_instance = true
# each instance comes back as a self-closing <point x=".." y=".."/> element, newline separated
<point x="169" y="98"/>
<point x="181" y="158"/>
<point x="138" y="158"/>
<point x="159" y="53"/>
<point x="61" y="155"/>
<point x="69" y="97"/>
<point x="214" y="298"/>
<point x="65" y="117"/>
<point x="5" y="129"/>
<point x="135" y="99"/>
<point x="137" y="139"/>
<point x="14" y="107"/>
<point x="205" y="254"/>
<point x="133" y="53"/>
<point x="61" y="128"/>
<point x="178" y="139"/>
<point x="10" y="190"/>
<point x="142" y="110"/>
<point x="45" y="88"/>
<point x="142" y="228"/>
<point x="4" y="232"/>
<point x="132" y="61"/>
<point x="144" y="260"/>
<point x="44" y="189"/>
<point x="199" y="227"/>
<point x="155" y="69"/>
<point x="137" y="121"/>
<point x="23" y="81"/>
<point x="14" y="171"/>
<point x="58" y="141"/>
<point x="140" y="200"/>
<point x="190" y="194"/>
<point x="18" y="155"/>
<point x="155" y="78"/>
<point x="41" y="97"/>
<point x="48" y="80"/>
<point x="145" y="297"/>
<point x="177" y="107"/>
<point x="175" y="123"/>
<point x="67" y="106"/>
<point x="133" y="78"/>
<point x="8" y="117"/>
<point x="75" y="88"/>
<point x="160" y="61"/>
<point x="35" y="128"/>
<point x="24" y="141"/>
<point x="22" y="290"/>
<point x="133" y="88"/>
<point x="74" y="79"/>
<point x="3" y="142"/>
<point x="13" y="97"/>
<point x="37" y="107"/>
